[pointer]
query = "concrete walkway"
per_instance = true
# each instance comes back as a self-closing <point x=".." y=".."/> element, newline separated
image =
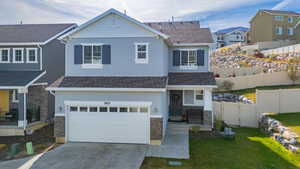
<point x="85" y="156"/>
<point x="175" y="145"/>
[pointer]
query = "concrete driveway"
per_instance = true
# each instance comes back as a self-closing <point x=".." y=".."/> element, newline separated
<point x="86" y="156"/>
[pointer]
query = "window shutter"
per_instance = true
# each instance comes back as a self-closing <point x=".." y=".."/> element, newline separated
<point x="176" y="58"/>
<point x="200" y="57"/>
<point x="77" y="54"/>
<point x="106" y="54"/>
<point x="11" y="53"/>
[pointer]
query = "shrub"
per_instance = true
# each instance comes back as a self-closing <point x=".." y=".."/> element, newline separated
<point x="226" y="85"/>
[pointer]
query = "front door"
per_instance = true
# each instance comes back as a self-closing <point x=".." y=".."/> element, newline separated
<point x="175" y="107"/>
<point x="4" y="102"/>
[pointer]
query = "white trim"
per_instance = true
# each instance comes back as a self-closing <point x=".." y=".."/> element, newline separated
<point x="156" y="116"/>
<point x="41" y="57"/>
<point x="107" y="103"/>
<point x="35" y="79"/>
<point x="39" y="84"/>
<point x="59" y="115"/>
<point x="191" y="44"/>
<point x="113" y="11"/>
<point x="14" y="55"/>
<point x="182" y="87"/>
<point x="290" y="31"/>
<point x="14" y="94"/>
<point x="25" y="109"/>
<point x="107" y="89"/>
<point x="92" y="65"/>
<point x="11" y="87"/>
<point x="59" y="34"/>
<point x="195" y="102"/>
<point x="8" y="49"/>
<point x="27" y="55"/>
<point x="20" y="44"/>
<point x="140" y="60"/>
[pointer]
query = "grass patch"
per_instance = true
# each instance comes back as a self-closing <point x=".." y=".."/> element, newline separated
<point x="290" y="120"/>
<point x="250" y="150"/>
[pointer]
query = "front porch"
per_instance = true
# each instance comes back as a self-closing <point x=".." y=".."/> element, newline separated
<point x="22" y="103"/>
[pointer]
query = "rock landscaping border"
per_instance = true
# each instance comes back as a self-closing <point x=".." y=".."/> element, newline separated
<point x="280" y="133"/>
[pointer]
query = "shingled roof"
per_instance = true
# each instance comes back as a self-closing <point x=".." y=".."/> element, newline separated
<point x="183" y="32"/>
<point x="31" y="33"/>
<point x="110" y="82"/>
<point x="197" y="78"/>
<point x="18" y="78"/>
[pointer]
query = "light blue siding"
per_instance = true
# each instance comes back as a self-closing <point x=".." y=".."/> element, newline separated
<point x="158" y="99"/>
<point x="122" y="58"/>
<point x="199" y="69"/>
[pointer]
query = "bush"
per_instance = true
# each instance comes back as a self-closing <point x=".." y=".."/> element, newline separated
<point x="226" y="85"/>
<point x="195" y="129"/>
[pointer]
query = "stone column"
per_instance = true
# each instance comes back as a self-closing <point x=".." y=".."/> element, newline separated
<point x="22" y="108"/>
<point x="207" y="113"/>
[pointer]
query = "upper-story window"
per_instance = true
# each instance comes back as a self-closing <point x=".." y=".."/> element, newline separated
<point x="31" y="55"/>
<point x="290" y="31"/>
<point x="141" y="53"/>
<point x="188" y="58"/>
<point x="290" y="19"/>
<point x="4" y="56"/>
<point x="279" y="30"/>
<point x="92" y="55"/>
<point x="18" y="56"/>
<point x="278" y="18"/>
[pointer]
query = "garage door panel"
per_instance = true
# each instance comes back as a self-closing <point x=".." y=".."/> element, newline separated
<point x="109" y="127"/>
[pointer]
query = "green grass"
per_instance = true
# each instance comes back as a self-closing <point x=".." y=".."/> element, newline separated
<point x="250" y="150"/>
<point x="291" y="120"/>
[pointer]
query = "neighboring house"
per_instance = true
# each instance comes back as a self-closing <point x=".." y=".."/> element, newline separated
<point x="230" y="36"/>
<point x="273" y="25"/>
<point x="31" y="57"/>
<point x="297" y="32"/>
<point x="125" y="79"/>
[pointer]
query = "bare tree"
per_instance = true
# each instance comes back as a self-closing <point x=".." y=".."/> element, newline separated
<point x="293" y="70"/>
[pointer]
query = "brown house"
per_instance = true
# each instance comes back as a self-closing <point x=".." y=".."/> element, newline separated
<point x="273" y="25"/>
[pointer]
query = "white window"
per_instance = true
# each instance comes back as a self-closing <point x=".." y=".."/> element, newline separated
<point x="290" y="31"/>
<point x="4" y="56"/>
<point x="279" y="30"/>
<point x="141" y="53"/>
<point x="188" y="59"/>
<point x="92" y="56"/>
<point x="18" y="55"/>
<point x="290" y="19"/>
<point x="15" y="97"/>
<point x="193" y="97"/>
<point x="278" y="18"/>
<point x="31" y="55"/>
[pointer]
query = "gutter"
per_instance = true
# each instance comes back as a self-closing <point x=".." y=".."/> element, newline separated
<point x="41" y="56"/>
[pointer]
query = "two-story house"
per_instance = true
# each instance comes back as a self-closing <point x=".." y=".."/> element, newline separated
<point x="273" y="25"/>
<point x="31" y="58"/>
<point x="230" y="36"/>
<point x="125" y="79"/>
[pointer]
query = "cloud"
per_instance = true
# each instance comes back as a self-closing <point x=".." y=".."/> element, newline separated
<point x="286" y="4"/>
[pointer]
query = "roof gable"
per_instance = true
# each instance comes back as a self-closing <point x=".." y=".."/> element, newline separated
<point x="116" y="23"/>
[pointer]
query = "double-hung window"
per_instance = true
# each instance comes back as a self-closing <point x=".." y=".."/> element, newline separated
<point x="188" y="58"/>
<point x="141" y="53"/>
<point x="290" y="31"/>
<point x="92" y="56"/>
<point x="290" y="19"/>
<point x="279" y="30"/>
<point x="278" y="18"/>
<point x="193" y="97"/>
<point x="4" y="56"/>
<point x="18" y="55"/>
<point x="31" y="55"/>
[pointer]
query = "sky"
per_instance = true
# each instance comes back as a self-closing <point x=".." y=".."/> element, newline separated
<point x="215" y="14"/>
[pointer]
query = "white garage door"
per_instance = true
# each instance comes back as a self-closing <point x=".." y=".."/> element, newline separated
<point x="113" y="122"/>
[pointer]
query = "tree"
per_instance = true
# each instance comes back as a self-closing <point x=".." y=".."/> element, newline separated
<point x="293" y="70"/>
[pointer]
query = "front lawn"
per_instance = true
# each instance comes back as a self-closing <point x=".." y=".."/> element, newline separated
<point x="250" y="150"/>
<point x="291" y="120"/>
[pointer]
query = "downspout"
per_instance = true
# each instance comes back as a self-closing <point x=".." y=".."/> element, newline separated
<point x="41" y="56"/>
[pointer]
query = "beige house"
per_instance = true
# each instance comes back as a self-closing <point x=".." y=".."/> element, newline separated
<point x="297" y="32"/>
<point x="273" y="25"/>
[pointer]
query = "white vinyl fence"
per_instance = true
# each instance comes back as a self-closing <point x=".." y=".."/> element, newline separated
<point x="282" y="50"/>
<point x="267" y="101"/>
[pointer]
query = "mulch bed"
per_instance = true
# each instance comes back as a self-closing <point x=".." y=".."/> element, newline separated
<point x="204" y="134"/>
<point x="45" y="134"/>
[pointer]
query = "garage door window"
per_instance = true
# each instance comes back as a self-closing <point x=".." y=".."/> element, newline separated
<point x="93" y="109"/>
<point x="143" y="109"/>
<point x="73" y="109"/>
<point x="83" y="109"/>
<point x="133" y="109"/>
<point x="103" y="109"/>
<point x="123" y="109"/>
<point x="113" y="109"/>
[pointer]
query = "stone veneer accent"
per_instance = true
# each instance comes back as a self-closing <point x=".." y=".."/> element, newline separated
<point x="59" y="126"/>
<point x="37" y="95"/>
<point x="156" y="128"/>
<point x="207" y="118"/>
